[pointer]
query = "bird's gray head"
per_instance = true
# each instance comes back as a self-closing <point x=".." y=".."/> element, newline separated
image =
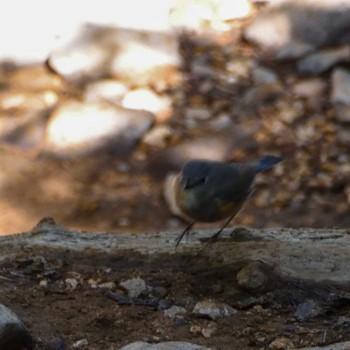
<point x="195" y="174"/>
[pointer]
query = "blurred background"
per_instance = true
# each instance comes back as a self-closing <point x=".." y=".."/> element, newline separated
<point x="100" y="100"/>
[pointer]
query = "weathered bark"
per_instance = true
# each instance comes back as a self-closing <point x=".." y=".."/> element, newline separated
<point x="308" y="254"/>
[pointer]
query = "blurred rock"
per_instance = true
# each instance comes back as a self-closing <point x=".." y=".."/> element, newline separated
<point x="139" y="57"/>
<point x="107" y="89"/>
<point x="340" y="86"/>
<point x="13" y="334"/>
<point x="213" y="309"/>
<point x="292" y="28"/>
<point x="148" y="100"/>
<point x="311" y="89"/>
<point x="134" y="286"/>
<point x="342" y="112"/>
<point x="263" y="75"/>
<point x="198" y="113"/>
<point x="76" y="128"/>
<point x="171" y="345"/>
<point x="197" y="15"/>
<point x="158" y="136"/>
<point x="321" y="61"/>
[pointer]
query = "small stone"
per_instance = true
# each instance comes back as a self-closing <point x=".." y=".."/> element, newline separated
<point x="251" y="277"/>
<point x="342" y="112"/>
<point x="106" y="90"/>
<point x="195" y="329"/>
<point x="71" y="283"/>
<point x="134" y="286"/>
<point x="198" y="113"/>
<point x="175" y="311"/>
<point x="80" y="344"/>
<point x="213" y="309"/>
<point x="281" y="344"/>
<point x="319" y="62"/>
<point x="148" y="100"/>
<point x="307" y="310"/>
<point x="309" y="88"/>
<point x="263" y="75"/>
<point x="210" y="330"/>
<point x="107" y="285"/>
<point x="340" y="86"/>
<point x="44" y="283"/>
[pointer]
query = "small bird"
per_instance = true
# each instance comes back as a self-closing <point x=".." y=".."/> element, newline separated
<point x="210" y="191"/>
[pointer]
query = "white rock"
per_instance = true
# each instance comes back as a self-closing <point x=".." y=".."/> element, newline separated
<point x="213" y="309"/>
<point x="80" y="344"/>
<point x="77" y="128"/>
<point x="293" y="28"/>
<point x="97" y="51"/>
<point x="134" y="286"/>
<point x="108" y="90"/>
<point x="228" y="9"/>
<point x="175" y="311"/>
<point x="171" y="345"/>
<point x="147" y="100"/>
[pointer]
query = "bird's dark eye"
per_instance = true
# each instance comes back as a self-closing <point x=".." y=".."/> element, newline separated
<point x="191" y="183"/>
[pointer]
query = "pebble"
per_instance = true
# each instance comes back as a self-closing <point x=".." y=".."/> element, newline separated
<point x="340" y="86"/>
<point x="171" y="345"/>
<point x="307" y="310"/>
<point x="107" y="285"/>
<point x="134" y="286"/>
<point x="71" y="283"/>
<point x="13" y="333"/>
<point x="213" y="309"/>
<point x="175" y="311"/>
<point x="210" y="330"/>
<point x="263" y="75"/>
<point x="107" y="90"/>
<point x="78" y="128"/>
<point x="321" y="61"/>
<point x="80" y="344"/>
<point x="148" y="100"/>
<point x="251" y="277"/>
<point x="281" y="344"/>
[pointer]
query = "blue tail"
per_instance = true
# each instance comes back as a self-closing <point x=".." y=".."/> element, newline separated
<point x="266" y="162"/>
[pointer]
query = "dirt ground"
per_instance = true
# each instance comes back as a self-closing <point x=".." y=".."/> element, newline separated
<point x="36" y="284"/>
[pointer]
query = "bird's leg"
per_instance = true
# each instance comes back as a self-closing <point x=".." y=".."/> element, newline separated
<point x="215" y="236"/>
<point x="185" y="232"/>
